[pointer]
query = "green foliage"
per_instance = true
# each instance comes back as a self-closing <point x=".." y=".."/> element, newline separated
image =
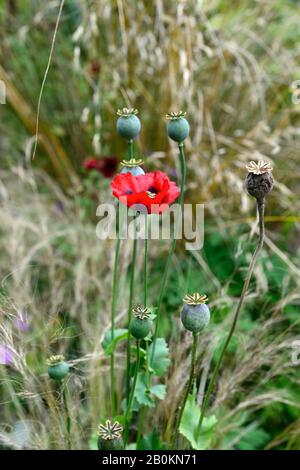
<point x="152" y="442"/>
<point x="93" y="441"/>
<point x="254" y="440"/>
<point x="109" y="345"/>
<point x="145" y="396"/>
<point x="189" y="423"/>
<point x="161" y="358"/>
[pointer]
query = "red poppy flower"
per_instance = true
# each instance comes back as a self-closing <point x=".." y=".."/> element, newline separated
<point x="153" y="190"/>
<point x="107" y="166"/>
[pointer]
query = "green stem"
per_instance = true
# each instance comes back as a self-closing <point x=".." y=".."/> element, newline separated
<point x="65" y="400"/>
<point x="260" y="209"/>
<point x="129" y="403"/>
<point x="145" y="278"/>
<point x="140" y="426"/>
<point x="145" y="275"/>
<point x="113" y="314"/>
<point x="188" y="389"/>
<point x="129" y="314"/>
<point x="171" y="252"/>
<point x="130" y="149"/>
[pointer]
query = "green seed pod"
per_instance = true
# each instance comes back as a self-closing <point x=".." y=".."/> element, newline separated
<point x="110" y="436"/>
<point x="57" y="368"/>
<point x="195" y="314"/>
<point x="128" y="124"/>
<point x="140" y="325"/>
<point x="178" y="128"/>
<point x="132" y="166"/>
<point x="259" y="181"/>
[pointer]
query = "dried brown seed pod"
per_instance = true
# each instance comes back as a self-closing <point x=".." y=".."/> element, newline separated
<point x="259" y="181"/>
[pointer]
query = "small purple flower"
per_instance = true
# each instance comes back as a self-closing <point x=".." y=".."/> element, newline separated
<point x="6" y="355"/>
<point x="21" y="322"/>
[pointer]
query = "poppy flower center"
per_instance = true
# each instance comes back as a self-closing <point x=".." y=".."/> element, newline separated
<point x="152" y="190"/>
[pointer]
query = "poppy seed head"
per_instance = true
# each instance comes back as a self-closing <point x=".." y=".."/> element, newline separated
<point x="140" y="324"/>
<point x="178" y="128"/>
<point x="132" y="166"/>
<point x="259" y="181"/>
<point x="110" y="436"/>
<point x="57" y="367"/>
<point x="195" y="314"/>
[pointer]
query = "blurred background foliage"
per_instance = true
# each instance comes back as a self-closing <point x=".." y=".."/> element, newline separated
<point x="231" y="67"/>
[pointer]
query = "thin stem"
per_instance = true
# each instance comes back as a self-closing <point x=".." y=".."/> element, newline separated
<point x="145" y="275"/>
<point x="260" y="209"/>
<point x="145" y="296"/>
<point x="188" y="389"/>
<point x="172" y="250"/>
<point x="140" y="426"/>
<point x="113" y="313"/>
<point x="129" y="403"/>
<point x="129" y="313"/>
<point x="65" y="400"/>
<point x="130" y="149"/>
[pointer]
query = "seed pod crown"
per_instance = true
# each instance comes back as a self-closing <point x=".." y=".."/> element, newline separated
<point x="195" y="299"/>
<point x="54" y="360"/>
<point x="126" y="112"/>
<point x="109" y="430"/>
<point x="143" y="313"/>
<point x="175" y="115"/>
<point x="132" y="163"/>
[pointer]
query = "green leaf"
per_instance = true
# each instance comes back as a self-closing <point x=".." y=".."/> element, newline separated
<point x="159" y="391"/>
<point x="110" y="345"/>
<point x="93" y="441"/>
<point x="255" y="439"/>
<point x="161" y="358"/>
<point x="131" y="446"/>
<point x="120" y="419"/>
<point x="189" y="424"/>
<point x="141" y="395"/>
<point x="146" y="397"/>
<point x="151" y="442"/>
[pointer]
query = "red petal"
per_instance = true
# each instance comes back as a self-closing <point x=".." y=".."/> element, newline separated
<point x="172" y="194"/>
<point x="133" y="190"/>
